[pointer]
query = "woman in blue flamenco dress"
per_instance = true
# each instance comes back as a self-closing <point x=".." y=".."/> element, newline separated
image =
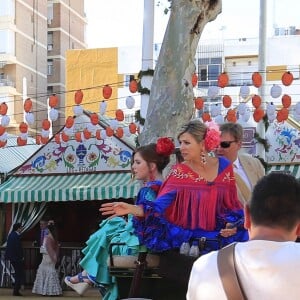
<point x="148" y="163"/>
<point x="197" y="200"/>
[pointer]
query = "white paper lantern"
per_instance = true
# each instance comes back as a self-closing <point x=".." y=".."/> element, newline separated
<point x="130" y="102"/>
<point x="24" y="136"/>
<point x="246" y="116"/>
<point x="5" y="120"/>
<point x="297" y="107"/>
<point x="296" y="114"/>
<point x="215" y="110"/>
<point x="29" y="117"/>
<point x="103" y="134"/>
<point x="219" y="119"/>
<point x="213" y="91"/>
<point x="127" y="131"/>
<point x="92" y="128"/>
<point x="78" y="110"/>
<point x="53" y="114"/>
<point x="45" y="133"/>
<point x="244" y="91"/>
<point x="242" y="108"/>
<point x="3" y="137"/>
<point x="276" y="91"/>
<point x="103" y="107"/>
<point x="114" y="124"/>
<point x="69" y="131"/>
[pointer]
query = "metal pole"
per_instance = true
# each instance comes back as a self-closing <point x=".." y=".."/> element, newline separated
<point x="147" y="52"/>
<point x="262" y="69"/>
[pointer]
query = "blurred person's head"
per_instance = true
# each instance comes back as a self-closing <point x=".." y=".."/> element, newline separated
<point x="231" y="140"/>
<point x="18" y="227"/>
<point x="274" y="208"/>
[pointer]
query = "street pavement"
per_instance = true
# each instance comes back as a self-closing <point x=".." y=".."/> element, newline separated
<point x="91" y="294"/>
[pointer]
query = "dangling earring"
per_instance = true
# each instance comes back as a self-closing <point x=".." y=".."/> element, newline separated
<point x="203" y="158"/>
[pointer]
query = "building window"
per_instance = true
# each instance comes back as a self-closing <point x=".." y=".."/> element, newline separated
<point x="50" y="41"/>
<point x="209" y="69"/>
<point x="127" y="79"/>
<point x="50" y="67"/>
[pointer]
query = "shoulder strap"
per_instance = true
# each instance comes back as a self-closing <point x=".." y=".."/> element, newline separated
<point x="228" y="275"/>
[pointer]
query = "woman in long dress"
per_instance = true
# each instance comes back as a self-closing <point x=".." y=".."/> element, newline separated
<point x="47" y="281"/>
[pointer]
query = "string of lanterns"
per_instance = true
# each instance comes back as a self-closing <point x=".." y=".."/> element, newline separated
<point x="242" y="111"/>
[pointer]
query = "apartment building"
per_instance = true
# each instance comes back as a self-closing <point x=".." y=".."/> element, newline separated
<point x="34" y="36"/>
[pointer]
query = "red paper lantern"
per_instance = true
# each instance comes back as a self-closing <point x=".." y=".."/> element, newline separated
<point x="98" y="134"/>
<point x="258" y="114"/>
<point x="199" y="103"/>
<point x="87" y="134"/>
<point x="231" y="116"/>
<point x="69" y="122"/>
<point x="2" y="130"/>
<point x="53" y="101"/>
<point x="65" y="137"/>
<point x="286" y="101"/>
<point x="287" y="78"/>
<point x="3" y="108"/>
<point x="194" y="79"/>
<point x="94" y="118"/>
<point x="23" y="127"/>
<point x="120" y="132"/>
<point x="132" y="128"/>
<point x="21" y="142"/>
<point x="78" y="97"/>
<point x="109" y="131"/>
<point x="106" y="91"/>
<point x="223" y="80"/>
<point x="78" y="136"/>
<point x="206" y="117"/>
<point x="256" y="101"/>
<point x="119" y="115"/>
<point x="227" y="101"/>
<point x="256" y="79"/>
<point x="133" y="86"/>
<point x="46" y="124"/>
<point x="27" y="105"/>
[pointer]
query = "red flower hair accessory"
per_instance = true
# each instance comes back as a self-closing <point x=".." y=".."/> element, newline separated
<point x="212" y="137"/>
<point x="165" y="146"/>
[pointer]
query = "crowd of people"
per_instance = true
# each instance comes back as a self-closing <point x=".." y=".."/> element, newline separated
<point x="214" y="191"/>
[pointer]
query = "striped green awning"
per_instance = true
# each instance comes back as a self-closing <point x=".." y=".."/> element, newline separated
<point x="82" y="187"/>
<point x="292" y="169"/>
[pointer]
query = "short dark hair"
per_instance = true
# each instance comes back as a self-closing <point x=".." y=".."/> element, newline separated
<point x="235" y="129"/>
<point x="16" y="226"/>
<point x="275" y="201"/>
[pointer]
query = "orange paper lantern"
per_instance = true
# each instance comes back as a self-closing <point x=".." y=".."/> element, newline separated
<point x="106" y="91"/>
<point x="3" y="143"/>
<point x="27" y="105"/>
<point x="223" y="80"/>
<point x="78" y="97"/>
<point x="199" y="103"/>
<point x="286" y="101"/>
<point x="258" y="114"/>
<point x="78" y="136"/>
<point x="120" y="132"/>
<point x="231" y="116"/>
<point x="132" y="128"/>
<point x="3" y="108"/>
<point x="109" y="131"/>
<point x="69" y="122"/>
<point x="119" y="115"/>
<point x="87" y="134"/>
<point x="98" y="134"/>
<point x="23" y="127"/>
<point x="256" y="101"/>
<point x="287" y="78"/>
<point x="256" y="79"/>
<point x="65" y="137"/>
<point x="21" y="142"/>
<point x="53" y="101"/>
<point x="227" y="101"/>
<point x="2" y="130"/>
<point x="94" y="118"/>
<point x="194" y="79"/>
<point x="133" y="86"/>
<point x="206" y="117"/>
<point x="46" y="124"/>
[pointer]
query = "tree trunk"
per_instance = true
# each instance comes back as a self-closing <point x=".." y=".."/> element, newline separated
<point x="171" y="98"/>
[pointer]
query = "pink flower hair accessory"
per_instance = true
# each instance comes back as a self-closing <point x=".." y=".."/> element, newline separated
<point x="165" y="146"/>
<point x="212" y="137"/>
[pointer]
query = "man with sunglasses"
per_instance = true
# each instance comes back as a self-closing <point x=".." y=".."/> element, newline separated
<point x="248" y="170"/>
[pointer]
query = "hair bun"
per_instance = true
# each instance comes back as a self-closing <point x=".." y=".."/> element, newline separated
<point x="165" y="146"/>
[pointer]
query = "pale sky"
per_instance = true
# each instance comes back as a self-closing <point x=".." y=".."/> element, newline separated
<point x="113" y="23"/>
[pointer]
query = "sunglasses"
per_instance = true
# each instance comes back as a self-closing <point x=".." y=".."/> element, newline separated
<point x="226" y="144"/>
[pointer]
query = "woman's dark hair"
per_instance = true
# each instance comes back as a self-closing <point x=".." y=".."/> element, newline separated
<point x="51" y="227"/>
<point x="149" y="154"/>
<point x="16" y="226"/>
